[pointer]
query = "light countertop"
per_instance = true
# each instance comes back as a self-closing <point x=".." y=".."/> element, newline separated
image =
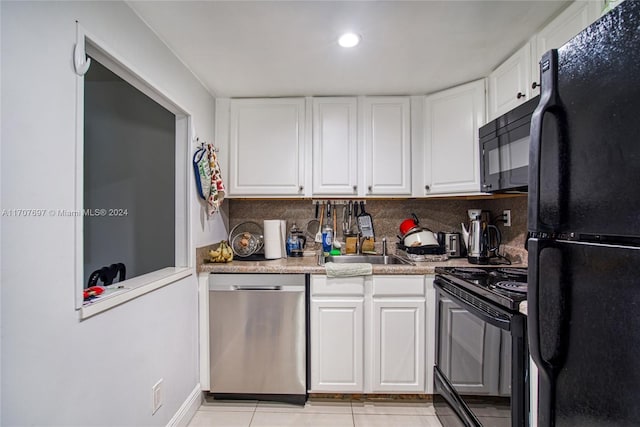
<point x="310" y="265"/>
<point x="523" y="307"/>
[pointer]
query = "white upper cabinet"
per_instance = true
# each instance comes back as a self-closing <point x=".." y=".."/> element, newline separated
<point x="570" y="22"/>
<point x="451" y="151"/>
<point x="335" y="146"/>
<point x="509" y="84"/>
<point x="387" y="145"/>
<point x="266" y="155"/>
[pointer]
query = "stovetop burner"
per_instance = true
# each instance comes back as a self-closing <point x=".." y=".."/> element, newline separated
<point x="504" y="286"/>
<point x="511" y="286"/>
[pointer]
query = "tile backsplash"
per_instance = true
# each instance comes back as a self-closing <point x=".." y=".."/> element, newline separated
<point x="435" y="214"/>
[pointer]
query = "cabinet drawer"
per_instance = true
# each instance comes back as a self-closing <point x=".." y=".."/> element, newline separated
<point x="398" y="286"/>
<point x="321" y="285"/>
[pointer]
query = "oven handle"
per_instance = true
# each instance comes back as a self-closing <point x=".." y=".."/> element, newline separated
<point x="497" y="322"/>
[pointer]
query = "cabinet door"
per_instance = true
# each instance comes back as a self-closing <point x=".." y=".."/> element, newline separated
<point x="335" y="150"/>
<point x="469" y="350"/>
<point x="266" y="147"/>
<point x="451" y="154"/>
<point x="567" y="24"/>
<point x="337" y="345"/>
<point x="398" y="351"/>
<point x="509" y="84"/>
<point x="430" y="332"/>
<point x="387" y="137"/>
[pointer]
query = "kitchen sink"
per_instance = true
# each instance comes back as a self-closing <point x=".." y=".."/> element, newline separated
<point x="371" y="259"/>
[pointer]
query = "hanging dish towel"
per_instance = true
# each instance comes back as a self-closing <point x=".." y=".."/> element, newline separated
<point x="334" y="269"/>
<point x="208" y="177"/>
<point x="217" y="192"/>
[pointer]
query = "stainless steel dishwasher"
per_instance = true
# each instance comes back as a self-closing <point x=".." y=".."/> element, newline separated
<point x="257" y="327"/>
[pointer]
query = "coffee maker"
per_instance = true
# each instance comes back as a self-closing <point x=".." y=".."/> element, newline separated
<point x="478" y="237"/>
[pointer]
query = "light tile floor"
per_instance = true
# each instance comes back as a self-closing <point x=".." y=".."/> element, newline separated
<point x="316" y="413"/>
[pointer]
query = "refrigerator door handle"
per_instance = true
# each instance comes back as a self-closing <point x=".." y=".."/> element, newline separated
<point x="547" y="343"/>
<point x="549" y="103"/>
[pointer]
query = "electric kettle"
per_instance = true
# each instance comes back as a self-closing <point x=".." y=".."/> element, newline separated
<point x="478" y="238"/>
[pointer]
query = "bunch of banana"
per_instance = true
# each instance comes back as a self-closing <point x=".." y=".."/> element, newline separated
<point x="224" y="253"/>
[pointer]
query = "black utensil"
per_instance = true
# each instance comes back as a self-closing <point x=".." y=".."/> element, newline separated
<point x="365" y="222"/>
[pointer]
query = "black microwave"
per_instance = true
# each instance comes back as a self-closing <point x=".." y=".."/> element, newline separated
<point x="504" y="150"/>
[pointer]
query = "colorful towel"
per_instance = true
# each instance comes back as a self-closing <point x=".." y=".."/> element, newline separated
<point x="208" y="177"/>
<point x="217" y="192"/>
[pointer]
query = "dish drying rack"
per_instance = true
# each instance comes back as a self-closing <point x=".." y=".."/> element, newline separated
<point x="425" y="257"/>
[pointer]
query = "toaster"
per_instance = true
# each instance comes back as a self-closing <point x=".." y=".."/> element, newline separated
<point x="453" y="245"/>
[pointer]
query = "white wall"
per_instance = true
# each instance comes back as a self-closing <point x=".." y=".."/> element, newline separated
<point x="57" y="369"/>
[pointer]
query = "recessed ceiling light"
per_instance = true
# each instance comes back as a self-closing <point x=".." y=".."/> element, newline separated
<point x="349" y="40"/>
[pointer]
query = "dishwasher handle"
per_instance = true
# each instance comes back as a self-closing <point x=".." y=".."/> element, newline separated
<point x="256" y="288"/>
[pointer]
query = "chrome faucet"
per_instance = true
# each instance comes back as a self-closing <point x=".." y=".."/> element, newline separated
<point x="384" y="246"/>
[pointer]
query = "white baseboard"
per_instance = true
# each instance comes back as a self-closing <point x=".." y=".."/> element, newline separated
<point x="184" y="414"/>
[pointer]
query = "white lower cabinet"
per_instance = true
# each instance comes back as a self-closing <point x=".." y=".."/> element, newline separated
<point x="371" y="342"/>
<point x="398" y="346"/>
<point x="337" y="334"/>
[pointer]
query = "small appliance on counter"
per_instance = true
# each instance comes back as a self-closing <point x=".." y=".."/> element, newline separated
<point x="452" y="243"/>
<point x="481" y="245"/>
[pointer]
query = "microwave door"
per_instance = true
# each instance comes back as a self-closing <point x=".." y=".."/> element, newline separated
<point x="506" y="159"/>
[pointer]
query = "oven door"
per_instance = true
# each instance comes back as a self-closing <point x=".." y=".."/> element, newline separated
<point x="505" y="158"/>
<point x="481" y="353"/>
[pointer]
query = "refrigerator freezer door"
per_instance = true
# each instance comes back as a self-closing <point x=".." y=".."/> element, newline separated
<point x="584" y="332"/>
<point x="585" y="150"/>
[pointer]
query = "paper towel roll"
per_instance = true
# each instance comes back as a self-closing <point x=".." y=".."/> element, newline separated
<point x="273" y="239"/>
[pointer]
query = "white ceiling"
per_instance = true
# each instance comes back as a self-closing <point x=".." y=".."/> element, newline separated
<point x="288" y="48"/>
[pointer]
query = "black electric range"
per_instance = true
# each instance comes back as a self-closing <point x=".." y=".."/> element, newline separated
<point x="482" y="354"/>
<point x="506" y="286"/>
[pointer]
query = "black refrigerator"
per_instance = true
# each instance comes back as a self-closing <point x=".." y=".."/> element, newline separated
<point x="584" y="227"/>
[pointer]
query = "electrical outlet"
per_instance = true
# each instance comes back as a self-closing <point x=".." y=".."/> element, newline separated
<point x="507" y="217"/>
<point x="156" y="391"/>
